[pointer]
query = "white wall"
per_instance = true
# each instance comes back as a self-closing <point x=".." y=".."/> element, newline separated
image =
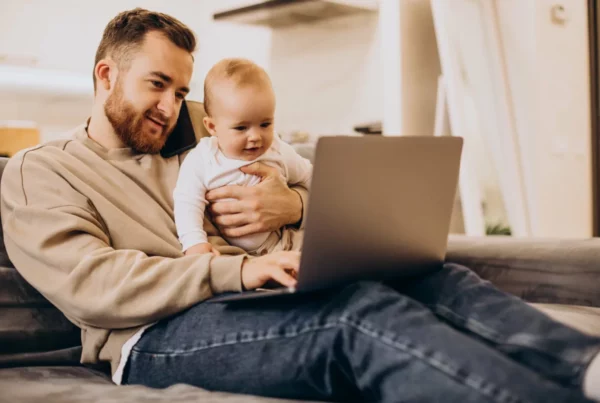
<point x="535" y="90"/>
<point x="328" y="76"/>
<point x="64" y="35"/>
<point x="548" y="68"/>
<point x="411" y="67"/>
<point x="420" y="68"/>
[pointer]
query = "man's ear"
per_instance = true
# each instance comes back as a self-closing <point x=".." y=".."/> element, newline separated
<point x="210" y="125"/>
<point x="106" y="74"/>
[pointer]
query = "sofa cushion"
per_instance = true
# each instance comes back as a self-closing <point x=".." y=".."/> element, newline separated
<point x="31" y="329"/>
<point x="549" y="271"/>
<point x="583" y="318"/>
<point x="72" y="384"/>
<point x="16" y="292"/>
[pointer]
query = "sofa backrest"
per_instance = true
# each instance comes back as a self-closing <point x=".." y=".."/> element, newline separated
<point x="3" y="256"/>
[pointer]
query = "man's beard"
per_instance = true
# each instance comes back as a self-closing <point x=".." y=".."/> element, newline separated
<point x="128" y="124"/>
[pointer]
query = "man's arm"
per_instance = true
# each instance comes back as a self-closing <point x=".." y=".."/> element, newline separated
<point x="60" y="245"/>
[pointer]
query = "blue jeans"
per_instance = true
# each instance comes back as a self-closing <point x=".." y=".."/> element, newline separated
<point x="448" y="336"/>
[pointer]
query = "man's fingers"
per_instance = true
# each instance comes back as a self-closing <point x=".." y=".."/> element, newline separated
<point x="289" y="260"/>
<point x="282" y="277"/>
<point x="225" y="207"/>
<point x="236" y="232"/>
<point x="260" y="169"/>
<point x="216" y="252"/>
<point x="231" y="220"/>
<point x="225" y="192"/>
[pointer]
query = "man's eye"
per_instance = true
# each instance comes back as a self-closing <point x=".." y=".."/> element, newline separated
<point x="266" y="124"/>
<point x="157" y="84"/>
<point x="180" y="96"/>
<point x="240" y="128"/>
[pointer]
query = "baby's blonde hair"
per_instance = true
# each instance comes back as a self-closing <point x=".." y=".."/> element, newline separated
<point x="240" y="71"/>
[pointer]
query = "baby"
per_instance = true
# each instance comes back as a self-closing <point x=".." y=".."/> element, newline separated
<point x="240" y="107"/>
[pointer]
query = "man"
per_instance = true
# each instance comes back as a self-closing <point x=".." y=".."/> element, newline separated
<point x="88" y="221"/>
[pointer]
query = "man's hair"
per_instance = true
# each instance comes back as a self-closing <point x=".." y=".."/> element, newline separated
<point x="126" y="32"/>
<point x="239" y="71"/>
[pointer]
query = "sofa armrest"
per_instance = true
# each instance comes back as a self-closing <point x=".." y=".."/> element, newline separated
<point x="537" y="270"/>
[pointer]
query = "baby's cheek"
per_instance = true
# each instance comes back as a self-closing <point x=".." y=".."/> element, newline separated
<point x="237" y="144"/>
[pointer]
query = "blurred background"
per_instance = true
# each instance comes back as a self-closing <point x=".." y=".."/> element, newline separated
<point x="516" y="78"/>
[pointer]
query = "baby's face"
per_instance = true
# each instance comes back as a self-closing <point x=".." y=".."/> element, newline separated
<point x="243" y="120"/>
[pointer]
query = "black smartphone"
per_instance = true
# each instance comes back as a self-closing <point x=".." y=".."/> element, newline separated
<point x="183" y="137"/>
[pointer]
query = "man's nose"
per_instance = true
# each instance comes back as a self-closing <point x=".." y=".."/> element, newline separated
<point x="167" y="104"/>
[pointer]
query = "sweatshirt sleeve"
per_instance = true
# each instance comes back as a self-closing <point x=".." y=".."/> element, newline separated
<point x="190" y="201"/>
<point x="59" y="244"/>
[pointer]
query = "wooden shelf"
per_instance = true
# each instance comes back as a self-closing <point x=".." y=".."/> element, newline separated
<point x="286" y="13"/>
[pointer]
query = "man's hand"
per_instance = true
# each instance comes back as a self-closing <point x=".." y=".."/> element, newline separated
<point x="201" y="248"/>
<point x="265" y="207"/>
<point x="279" y="266"/>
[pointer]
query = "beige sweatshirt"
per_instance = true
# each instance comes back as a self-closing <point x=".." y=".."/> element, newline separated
<point x="93" y="230"/>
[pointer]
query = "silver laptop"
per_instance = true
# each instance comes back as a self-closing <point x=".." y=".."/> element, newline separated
<point x="379" y="207"/>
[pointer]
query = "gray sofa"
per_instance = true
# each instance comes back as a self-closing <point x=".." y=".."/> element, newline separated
<point x="39" y="348"/>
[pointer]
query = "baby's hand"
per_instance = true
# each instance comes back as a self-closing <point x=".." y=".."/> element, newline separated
<point x="202" y="248"/>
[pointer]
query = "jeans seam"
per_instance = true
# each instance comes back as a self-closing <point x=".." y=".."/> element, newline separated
<point x="486" y="332"/>
<point x="474" y="382"/>
<point x="241" y="338"/>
